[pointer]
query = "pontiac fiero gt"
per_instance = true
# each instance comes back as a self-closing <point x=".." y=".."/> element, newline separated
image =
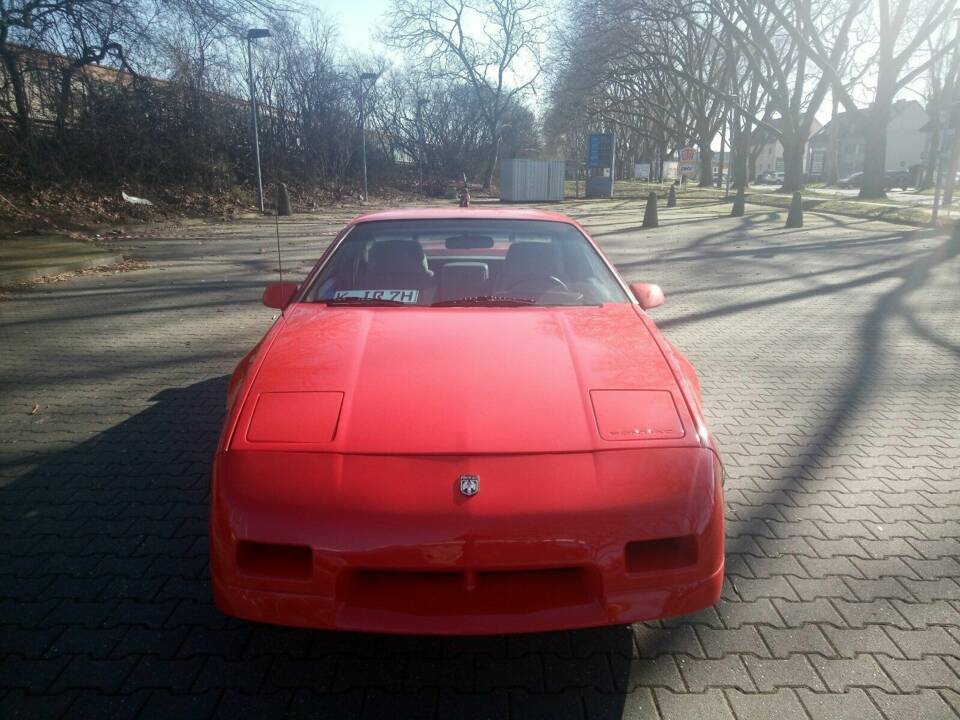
<point x="464" y="422"/>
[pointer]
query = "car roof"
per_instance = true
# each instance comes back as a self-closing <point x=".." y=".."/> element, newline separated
<point x="470" y="213"/>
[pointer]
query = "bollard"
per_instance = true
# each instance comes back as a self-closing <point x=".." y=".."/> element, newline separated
<point x="739" y="203"/>
<point x="672" y="196"/>
<point x="283" y="200"/>
<point x="795" y="216"/>
<point x="650" y="219"/>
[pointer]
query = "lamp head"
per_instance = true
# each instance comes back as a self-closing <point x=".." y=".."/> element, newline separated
<point x="255" y="33"/>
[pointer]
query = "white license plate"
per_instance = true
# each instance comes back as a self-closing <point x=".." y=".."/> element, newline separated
<point x="404" y="296"/>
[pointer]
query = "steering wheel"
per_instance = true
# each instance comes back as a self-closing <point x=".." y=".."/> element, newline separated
<point x="538" y="285"/>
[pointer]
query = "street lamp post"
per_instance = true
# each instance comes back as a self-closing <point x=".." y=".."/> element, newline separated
<point x="420" y="103"/>
<point x="253" y="34"/>
<point x="363" y="124"/>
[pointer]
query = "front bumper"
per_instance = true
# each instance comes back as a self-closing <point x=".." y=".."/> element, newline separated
<point x="388" y="544"/>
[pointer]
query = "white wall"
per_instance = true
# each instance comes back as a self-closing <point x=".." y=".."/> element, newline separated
<point x="770" y="158"/>
<point x="905" y="143"/>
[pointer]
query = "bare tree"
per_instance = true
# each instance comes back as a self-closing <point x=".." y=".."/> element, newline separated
<point x="902" y="55"/>
<point x="492" y="46"/>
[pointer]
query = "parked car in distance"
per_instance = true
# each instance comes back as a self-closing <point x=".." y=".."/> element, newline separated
<point x="898" y="178"/>
<point x="464" y="421"/>
<point x="892" y="179"/>
<point x="767" y="178"/>
<point x="851" y="181"/>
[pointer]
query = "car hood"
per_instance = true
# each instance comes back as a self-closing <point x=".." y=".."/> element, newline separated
<point x="459" y="381"/>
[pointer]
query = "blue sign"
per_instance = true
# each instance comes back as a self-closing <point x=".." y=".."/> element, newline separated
<point x="600" y="150"/>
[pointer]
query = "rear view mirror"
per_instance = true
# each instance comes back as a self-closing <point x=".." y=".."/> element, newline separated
<point x="277" y="295"/>
<point x="469" y="242"/>
<point x="647" y="294"/>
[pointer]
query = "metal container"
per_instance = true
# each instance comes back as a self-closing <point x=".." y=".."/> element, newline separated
<point x="531" y="180"/>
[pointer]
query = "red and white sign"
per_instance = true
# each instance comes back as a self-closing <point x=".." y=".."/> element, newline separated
<point x="688" y="155"/>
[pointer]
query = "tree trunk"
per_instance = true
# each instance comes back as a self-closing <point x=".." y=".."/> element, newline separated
<point x="792" y="164"/>
<point x="875" y="124"/>
<point x="741" y="156"/>
<point x="933" y="144"/>
<point x="706" y="164"/>
<point x="22" y="108"/>
<point x="492" y="167"/>
<point x="950" y="180"/>
<point x="833" y="173"/>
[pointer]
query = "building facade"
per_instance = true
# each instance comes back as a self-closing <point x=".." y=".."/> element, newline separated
<point x="906" y="142"/>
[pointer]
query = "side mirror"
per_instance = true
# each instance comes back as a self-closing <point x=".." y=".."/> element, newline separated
<point x="278" y="294"/>
<point x="647" y="294"/>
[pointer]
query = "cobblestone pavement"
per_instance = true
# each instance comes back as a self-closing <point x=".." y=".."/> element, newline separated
<point x="830" y="361"/>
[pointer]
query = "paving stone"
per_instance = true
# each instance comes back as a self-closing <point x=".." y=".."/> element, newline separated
<point x="736" y="614"/>
<point x="909" y="675"/>
<point x="710" y="705"/>
<point x="88" y="673"/>
<point x="794" y="671"/>
<point x="661" y="671"/>
<point x="637" y="705"/>
<point x="878" y="612"/>
<point x="164" y="705"/>
<point x="562" y="706"/>
<point x="379" y="705"/>
<point x="19" y="704"/>
<point x="782" y="705"/>
<point x="839" y="706"/>
<point x="718" y="643"/>
<point x="804" y="639"/>
<point x="842" y="674"/>
<point x="593" y="671"/>
<point x="917" y="643"/>
<point x="95" y="706"/>
<point x="492" y="705"/>
<point x="869" y="639"/>
<point x="235" y="703"/>
<point x="726" y="672"/>
<point x="925" y="704"/>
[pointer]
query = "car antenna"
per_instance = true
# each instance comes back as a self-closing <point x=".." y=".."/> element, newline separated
<point x="276" y="222"/>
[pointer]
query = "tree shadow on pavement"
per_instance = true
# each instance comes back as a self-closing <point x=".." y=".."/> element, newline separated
<point x="107" y="607"/>
<point x="864" y="367"/>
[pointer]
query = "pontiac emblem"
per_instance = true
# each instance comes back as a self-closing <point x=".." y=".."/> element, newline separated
<point x="469" y="485"/>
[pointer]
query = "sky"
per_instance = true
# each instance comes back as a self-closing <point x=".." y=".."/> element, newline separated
<point x="356" y="19"/>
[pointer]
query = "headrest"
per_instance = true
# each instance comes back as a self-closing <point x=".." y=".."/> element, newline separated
<point x="532" y="258"/>
<point x="396" y="256"/>
<point x="453" y="272"/>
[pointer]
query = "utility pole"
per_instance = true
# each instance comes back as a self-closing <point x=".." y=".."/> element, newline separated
<point x="254" y="34"/>
<point x="363" y="125"/>
<point x="723" y="130"/>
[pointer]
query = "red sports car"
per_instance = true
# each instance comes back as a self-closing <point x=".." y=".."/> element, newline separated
<point x="464" y="422"/>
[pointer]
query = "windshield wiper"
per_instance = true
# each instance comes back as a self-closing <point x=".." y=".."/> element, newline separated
<point x="363" y="301"/>
<point x="486" y="301"/>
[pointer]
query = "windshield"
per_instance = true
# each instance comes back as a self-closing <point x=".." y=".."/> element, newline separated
<point x="443" y="263"/>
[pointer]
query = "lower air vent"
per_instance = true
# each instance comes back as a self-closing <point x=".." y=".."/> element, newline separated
<point x="648" y="556"/>
<point x="288" y="562"/>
